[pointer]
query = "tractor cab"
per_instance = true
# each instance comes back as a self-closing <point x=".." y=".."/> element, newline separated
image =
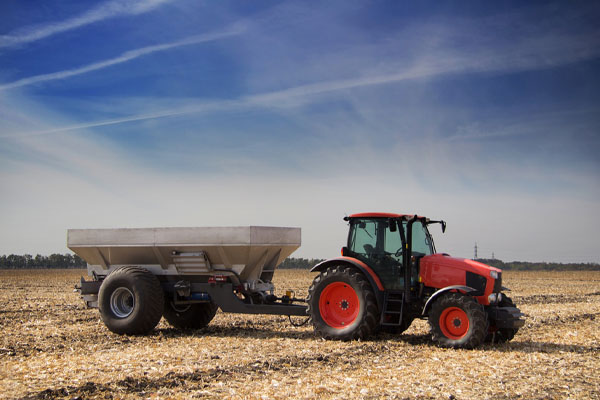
<point x="381" y="242"/>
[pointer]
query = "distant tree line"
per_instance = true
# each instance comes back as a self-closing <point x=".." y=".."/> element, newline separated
<point x="55" y="261"/>
<point x="27" y="261"/>
<point x="539" y="266"/>
<point x="307" y="263"/>
<point x="299" y="263"/>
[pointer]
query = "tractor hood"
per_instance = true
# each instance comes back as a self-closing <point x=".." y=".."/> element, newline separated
<point x="442" y="259"/>
<point x="441" y="270"/>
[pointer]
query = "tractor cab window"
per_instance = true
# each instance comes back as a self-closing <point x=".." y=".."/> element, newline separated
<point x="422" y="245"/>
<point x="378" y="243"/>
<point x="364" y="237"/>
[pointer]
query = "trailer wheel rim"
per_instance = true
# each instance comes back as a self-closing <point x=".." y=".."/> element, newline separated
<point x="339" y="305"/>
<point x="454" y="323"/>
<point x="122" y="302"/>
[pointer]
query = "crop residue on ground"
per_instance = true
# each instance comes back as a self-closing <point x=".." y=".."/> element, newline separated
<point x="53" y="347"/>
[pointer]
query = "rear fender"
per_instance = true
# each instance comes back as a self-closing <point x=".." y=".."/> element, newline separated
<point x="434" y="296"/>
<point x="359" y="265"/>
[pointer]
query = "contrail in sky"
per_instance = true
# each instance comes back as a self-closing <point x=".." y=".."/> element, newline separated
<point x="103" y="11"/>
<point x="191" y="109"/>
<point x="269" y="99"/>
<point x="520" y="58"/>
<point x="127" y="56"/>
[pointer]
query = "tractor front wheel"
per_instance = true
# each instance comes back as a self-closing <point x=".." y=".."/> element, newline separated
<point x="458" y="321"/>
<point x="342" y="304"/>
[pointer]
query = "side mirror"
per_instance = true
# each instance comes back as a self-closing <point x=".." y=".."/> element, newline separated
<point x="443" y="226"/>
<point x="393" y="226"/>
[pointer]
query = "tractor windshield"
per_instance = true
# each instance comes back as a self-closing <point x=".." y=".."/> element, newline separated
<point x="422" y="243"/>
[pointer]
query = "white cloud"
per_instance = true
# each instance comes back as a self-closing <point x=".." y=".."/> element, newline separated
<point x="534" y="38"/>
<point x="106" y="10"/>
<point x="70" y="182"/>
<point x="78" y="180"/>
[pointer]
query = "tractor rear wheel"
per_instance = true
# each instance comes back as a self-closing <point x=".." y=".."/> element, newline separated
<point x="502" y="335"/>
<point x="189" y="316"/>
<point x="342" y="304"/>
<point x="130" y="301"/>
<point x="458" y="321"/>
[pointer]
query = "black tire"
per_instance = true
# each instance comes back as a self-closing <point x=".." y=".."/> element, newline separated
<point x="131" y="301"/>
<point x="191" y="316"/>
<point x="502" y="335"/>
<point x="352" y="318"/>
<point x="396" y="330"/>
<point x="458" y="321"/>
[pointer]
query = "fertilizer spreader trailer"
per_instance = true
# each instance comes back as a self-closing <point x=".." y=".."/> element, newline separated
<point x="388" y="275"/>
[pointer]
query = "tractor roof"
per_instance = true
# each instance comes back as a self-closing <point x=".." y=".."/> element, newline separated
<point x="383" y="215"/>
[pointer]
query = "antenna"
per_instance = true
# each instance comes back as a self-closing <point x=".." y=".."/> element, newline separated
<point x="475" y="256"/>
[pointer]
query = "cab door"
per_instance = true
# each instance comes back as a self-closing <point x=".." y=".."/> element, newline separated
<point x="378" y="243"/>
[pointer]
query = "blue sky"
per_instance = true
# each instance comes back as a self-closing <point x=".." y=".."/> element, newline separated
<point x="189" y="113"/>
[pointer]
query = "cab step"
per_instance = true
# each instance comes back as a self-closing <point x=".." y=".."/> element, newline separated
<point x="393" y="307"/>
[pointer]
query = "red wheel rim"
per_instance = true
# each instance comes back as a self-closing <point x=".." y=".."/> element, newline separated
<point x="339" y="305"/>
<point x="454" y="323"/>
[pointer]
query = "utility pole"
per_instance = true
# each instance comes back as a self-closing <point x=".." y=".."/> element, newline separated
<point x="475" y="256"/>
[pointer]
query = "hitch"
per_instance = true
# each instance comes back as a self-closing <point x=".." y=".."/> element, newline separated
<point x="288" y="298"/>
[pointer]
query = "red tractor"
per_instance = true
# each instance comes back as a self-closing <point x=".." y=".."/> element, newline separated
<point x="389" y="274"/>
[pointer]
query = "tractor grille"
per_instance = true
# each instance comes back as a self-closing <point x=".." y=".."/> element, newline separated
<point x="476" y="282"/>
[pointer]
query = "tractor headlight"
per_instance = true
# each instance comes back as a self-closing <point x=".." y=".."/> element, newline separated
<point x="494" y="274"/>
<point x="492" y="298"/>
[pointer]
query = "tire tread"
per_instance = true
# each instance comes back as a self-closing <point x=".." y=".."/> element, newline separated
<point x="369" y="323"/>
<point x="477" y="321"/>
<point x="148" y="316"/>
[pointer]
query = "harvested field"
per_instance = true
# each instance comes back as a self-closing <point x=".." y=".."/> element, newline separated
<point x="53" y="347"/>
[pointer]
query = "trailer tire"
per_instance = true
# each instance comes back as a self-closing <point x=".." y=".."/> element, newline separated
<point x="131" y="301"/>
<point x="191" y="316"/>
<point x="458" y="321"/>
<point x="502" y="335"/>
<point x="342" y="304"/>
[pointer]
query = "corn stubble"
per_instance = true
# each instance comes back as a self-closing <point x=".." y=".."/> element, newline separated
<point x="51" y="346"/>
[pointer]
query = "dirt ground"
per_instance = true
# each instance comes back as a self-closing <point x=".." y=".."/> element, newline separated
<point x="51" y="346"/>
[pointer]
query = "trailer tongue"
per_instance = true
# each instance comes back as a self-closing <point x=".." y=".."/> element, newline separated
<point x="185" y="273"/>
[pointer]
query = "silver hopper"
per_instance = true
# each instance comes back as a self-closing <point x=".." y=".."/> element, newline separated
<point x="250" y="252"/>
